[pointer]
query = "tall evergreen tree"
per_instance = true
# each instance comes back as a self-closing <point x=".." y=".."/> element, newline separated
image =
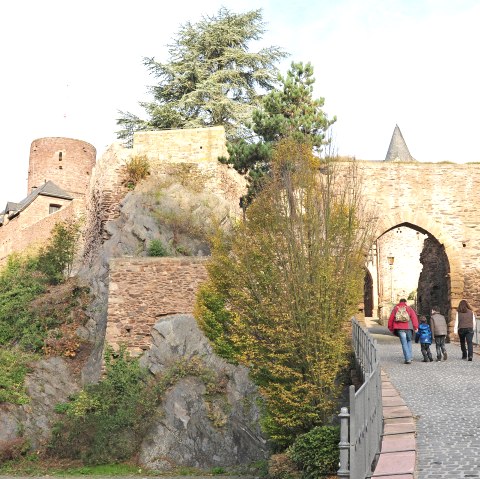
<point x="290" y="111"/>
<point x="211" y="77"/>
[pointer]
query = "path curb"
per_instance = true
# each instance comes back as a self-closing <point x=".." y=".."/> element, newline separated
<point x="398" y="455"/>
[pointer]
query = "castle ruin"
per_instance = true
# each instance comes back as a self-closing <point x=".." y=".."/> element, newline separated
<point x="426" y="246"/>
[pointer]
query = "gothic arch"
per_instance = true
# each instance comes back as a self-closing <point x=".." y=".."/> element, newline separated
<point x="423" y="222"/>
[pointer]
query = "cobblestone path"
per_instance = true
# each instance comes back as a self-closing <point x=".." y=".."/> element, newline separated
<point x="444" y="397"/>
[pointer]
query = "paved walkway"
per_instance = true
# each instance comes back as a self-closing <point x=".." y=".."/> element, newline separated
<point x="444" y="398"/>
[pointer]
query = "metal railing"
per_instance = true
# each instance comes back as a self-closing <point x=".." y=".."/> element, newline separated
<point x="361" y="423"/>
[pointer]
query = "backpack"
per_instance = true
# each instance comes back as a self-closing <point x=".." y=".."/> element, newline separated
<point x="401" y="315"/>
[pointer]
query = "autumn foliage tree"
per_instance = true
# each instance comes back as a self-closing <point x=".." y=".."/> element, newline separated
<point x="284" y="284"/>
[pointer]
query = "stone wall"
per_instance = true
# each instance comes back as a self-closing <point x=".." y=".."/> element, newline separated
<point x="192" y="155"/>
<point x="190" y="145"/>
<point x="34" y="225"/>
<point x="105" y="192"/>
<point x="143" y="290"/>
<point x="439" y="199"/>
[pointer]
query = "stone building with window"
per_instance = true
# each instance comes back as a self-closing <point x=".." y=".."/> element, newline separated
<point x="58" y="178"/>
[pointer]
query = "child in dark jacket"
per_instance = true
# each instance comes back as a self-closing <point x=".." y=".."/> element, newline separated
<point x="424" y="337"/>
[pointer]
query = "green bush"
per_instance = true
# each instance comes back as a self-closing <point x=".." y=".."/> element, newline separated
<point x="137" y="169"/>
<point x="55" y="260"/>
<point x="105" y="422"/>
<point x="13" y="369"/>
<point x="215" y="321"/>
<point x="24" y="279"/>
<point x="316" y="452"/>
<point x="20" y="284"/>
<point x="156" y="248"/>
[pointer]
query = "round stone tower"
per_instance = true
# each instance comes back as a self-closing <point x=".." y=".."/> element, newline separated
<point x="65" y="161"/>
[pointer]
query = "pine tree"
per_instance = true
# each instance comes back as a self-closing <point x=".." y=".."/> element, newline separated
<point x="290" y="111"/>
<point x="211" y="77"/>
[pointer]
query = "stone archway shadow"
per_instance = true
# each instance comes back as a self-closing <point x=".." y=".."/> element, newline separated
<point x="422" y="222"/>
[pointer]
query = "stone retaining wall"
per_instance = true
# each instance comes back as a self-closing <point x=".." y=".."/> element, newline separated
<point x="143" y="290"/>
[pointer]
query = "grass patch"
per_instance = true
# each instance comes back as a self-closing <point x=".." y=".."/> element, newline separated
<point x="105" y="470"/>
<point x="36" y="465"/>
<point x="39" y="465"/>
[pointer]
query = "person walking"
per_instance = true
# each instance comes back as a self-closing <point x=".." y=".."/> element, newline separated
<point x="438" y="324"/>
<point x="403" y="322"/>
<point x="465" y="324"/>
<point x="424" y="337"/>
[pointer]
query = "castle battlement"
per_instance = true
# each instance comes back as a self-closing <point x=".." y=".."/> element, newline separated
<point x="188" y="145"/>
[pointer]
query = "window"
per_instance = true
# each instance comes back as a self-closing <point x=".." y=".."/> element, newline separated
<point x="60" y="156"/>
<point x="52" y="208"/>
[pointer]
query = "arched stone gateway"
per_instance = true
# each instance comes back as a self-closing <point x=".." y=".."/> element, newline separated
<point x="438" y="200"/>
<point x="422" y="270"/>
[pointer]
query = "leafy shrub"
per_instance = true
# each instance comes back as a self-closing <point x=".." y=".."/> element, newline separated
<point x="13" y="369"/>
<point x="55" y="260"/>
<point x="316" y="452"/>
<point x="156" y="248"/>
<point x="23" y="281"/>
<point x="137" y="169"/>
<point x="215" y="321"/>
<point x="20" y="284"/>
<point x="281" y="466"/>
<point x="105" y="422"/>
<point x="13" y="449"/>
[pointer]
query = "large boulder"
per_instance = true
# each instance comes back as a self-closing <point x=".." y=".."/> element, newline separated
<point x="210" y="417"/>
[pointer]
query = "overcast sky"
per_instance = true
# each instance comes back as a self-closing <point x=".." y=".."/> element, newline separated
<point x="69" y="66"/>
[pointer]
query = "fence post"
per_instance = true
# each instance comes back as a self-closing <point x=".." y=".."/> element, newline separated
<point x="344" y="444"/>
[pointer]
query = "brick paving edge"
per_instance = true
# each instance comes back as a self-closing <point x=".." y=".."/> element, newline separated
<point x="398" y="454"/>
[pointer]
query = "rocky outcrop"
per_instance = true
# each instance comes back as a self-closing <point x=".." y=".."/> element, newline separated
<point x="49" y="383"/>
<point x="204" y="422"/>
<point x="169" y="206"/>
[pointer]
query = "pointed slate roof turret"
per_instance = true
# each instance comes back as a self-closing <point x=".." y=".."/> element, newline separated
<point x="398" y="150"/>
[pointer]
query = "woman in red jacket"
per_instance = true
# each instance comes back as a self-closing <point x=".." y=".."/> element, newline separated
<point x="403" y="322"/>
